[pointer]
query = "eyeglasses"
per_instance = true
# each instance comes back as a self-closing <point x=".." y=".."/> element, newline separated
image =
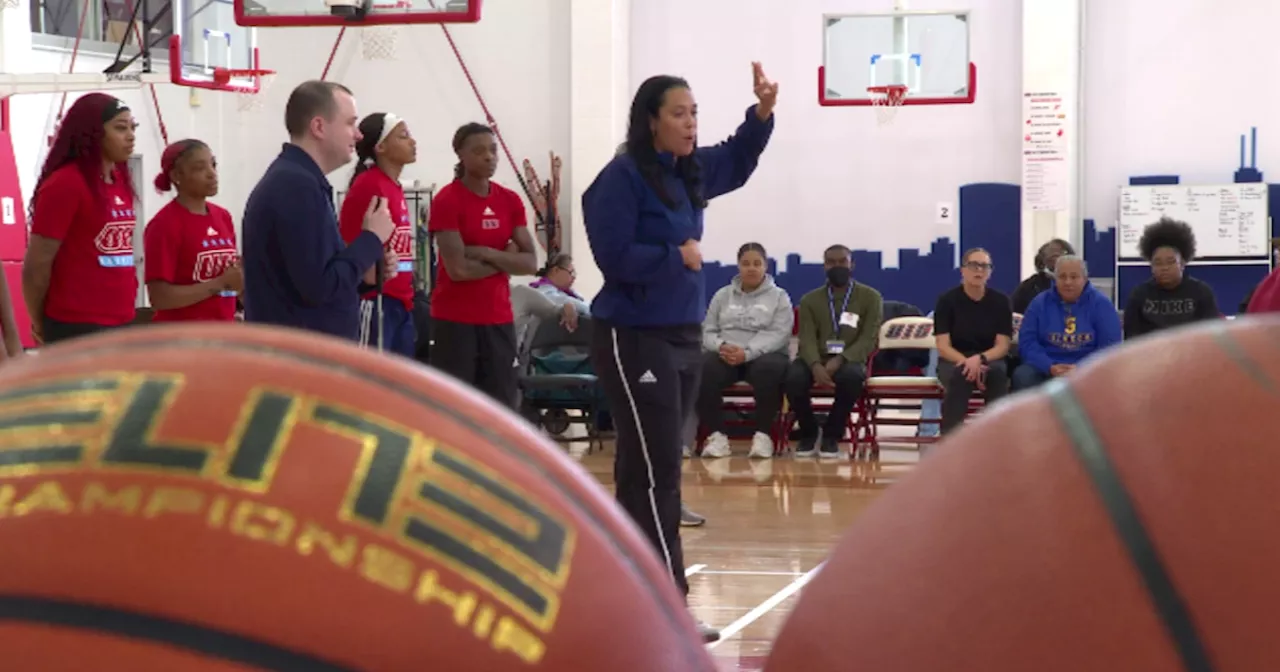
<point x="978" y="266"/>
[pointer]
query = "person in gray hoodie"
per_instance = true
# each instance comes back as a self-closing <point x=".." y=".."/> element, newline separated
<point x="746" y="336"/>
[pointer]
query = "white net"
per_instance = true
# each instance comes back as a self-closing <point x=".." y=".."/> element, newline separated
<point x="378" y="43"/>
<point x="9" y="4"/>
<point x="887" y="100"/>
<point x="253" y="102"/>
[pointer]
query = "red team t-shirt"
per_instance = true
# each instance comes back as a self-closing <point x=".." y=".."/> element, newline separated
<point x="370" y="183"/>
<point x="184" y="248"/>
<point x="93" y="279"/>
<point x="487" y="221"/>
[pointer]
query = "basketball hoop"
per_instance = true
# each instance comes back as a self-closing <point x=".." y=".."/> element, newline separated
<point x="246" y="100"/>
<point x="378" y="43"/>
<point x="887" y="100"/>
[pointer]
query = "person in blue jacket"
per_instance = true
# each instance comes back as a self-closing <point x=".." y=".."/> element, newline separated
<point x="298" y="272"/>
<point x="1064" y="325"/>
<point x="643" y="216"/>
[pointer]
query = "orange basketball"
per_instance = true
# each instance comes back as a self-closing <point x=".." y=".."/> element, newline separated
<point x="225" y="497"/>
<point x="1123" y="518"/>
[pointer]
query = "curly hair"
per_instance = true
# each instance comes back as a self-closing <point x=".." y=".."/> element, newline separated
<point x="1168" y="233"/>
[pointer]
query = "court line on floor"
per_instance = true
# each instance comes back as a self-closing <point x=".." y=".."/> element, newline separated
<point x="765" y="607"/>
<point x="693" y="569"/>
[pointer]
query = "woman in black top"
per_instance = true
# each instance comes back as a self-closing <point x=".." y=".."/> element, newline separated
<point x="1169" y="298"/>
<point x="1041" y="280"/>
<point x="973" y="325"/>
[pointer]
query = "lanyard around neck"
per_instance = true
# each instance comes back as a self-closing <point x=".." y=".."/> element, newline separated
<point x="831" y="303"/>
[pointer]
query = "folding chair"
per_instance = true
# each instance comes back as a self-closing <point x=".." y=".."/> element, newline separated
<point x="739" y="403"/>
<point x="888" y="390"/>
<point x="556" y="377"/>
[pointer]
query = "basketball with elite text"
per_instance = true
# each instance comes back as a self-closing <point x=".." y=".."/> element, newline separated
<point x="224" y="497"/>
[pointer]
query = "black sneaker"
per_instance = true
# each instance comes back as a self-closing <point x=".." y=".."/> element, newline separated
<point x="709" y="634"/>
<point x="689" y="518"/>
<point x="807" y="447"/>
<point x="830" y="449"/>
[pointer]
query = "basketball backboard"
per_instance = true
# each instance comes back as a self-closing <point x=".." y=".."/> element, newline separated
<point x="340" y="12"/>
<point x="207" y="37"/>
<point x="926" y="51"/>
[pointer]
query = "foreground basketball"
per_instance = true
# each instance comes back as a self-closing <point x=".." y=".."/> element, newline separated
<point x="1122" y="519"/>
<point x="229" y="497"/>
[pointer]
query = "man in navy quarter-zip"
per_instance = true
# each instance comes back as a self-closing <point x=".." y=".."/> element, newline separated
<point x="643" y="216"/>
<point x="298" y="272"/>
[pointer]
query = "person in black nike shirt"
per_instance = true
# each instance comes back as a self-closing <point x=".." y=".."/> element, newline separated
<point x="1170" y="298"/>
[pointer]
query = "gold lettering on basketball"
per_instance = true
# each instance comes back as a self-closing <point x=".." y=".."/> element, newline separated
<point x="263" y="523"/>
<point x="484" y="622"/>
<point x="217" y="515"/>
<point x="483" y="526"/>
<point x="343" y="553"/>
<point x="125" y="500"/>
<point x="47" y="496"/>
<point x="173" y="500"/>
<point x="511" y="636"/>
<point x="455" y="534"/>
<point x="386" y="568"/>
<point x="462" y="603"/>
<point x="7" y="493"/>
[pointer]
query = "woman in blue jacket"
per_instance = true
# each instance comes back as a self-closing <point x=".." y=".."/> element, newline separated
<point x="643" y="216"/>
<point x="1065" y="324"/>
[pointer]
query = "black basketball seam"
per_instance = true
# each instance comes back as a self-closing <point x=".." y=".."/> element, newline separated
<point x="184" y="635"/>
<point x="1233" y="350"/>
<point x="1164" y="595"/>
<point x="97" y="351"/>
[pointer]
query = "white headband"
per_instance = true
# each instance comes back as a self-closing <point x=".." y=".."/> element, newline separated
<point x="389" y="123"/>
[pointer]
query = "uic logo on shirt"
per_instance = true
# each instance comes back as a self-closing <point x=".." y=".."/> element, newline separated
<point x="490" y="220"/>
<point x="115" y="238"/>
<point x="211" y="264"/>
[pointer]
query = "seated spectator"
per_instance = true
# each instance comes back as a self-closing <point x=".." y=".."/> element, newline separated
<point x="1063" y="326"/>
<point x="1038" y="282"/>
<point x="839" y="328"/>
<point x="973" y="325"/>
<point x="746" y="336"/>
<point x="555" y="281"/>
<point x="1169" y="298"/>
<point x="558" y="300"/>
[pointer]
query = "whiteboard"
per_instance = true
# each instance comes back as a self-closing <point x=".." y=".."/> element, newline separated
<point x="1230" y="220"/>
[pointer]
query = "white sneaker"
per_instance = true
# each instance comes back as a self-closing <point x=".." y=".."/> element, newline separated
<point x="717" y="446"/>
<point x="688" y="452"/>
<point x="762" y="446"/>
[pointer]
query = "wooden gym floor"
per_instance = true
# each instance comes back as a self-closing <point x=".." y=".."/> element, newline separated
<point x="770" y="523"/>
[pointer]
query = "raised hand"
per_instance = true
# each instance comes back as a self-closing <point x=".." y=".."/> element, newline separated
<point x="766" y="91"/>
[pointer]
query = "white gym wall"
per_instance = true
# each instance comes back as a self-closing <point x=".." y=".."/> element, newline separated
<point x="1171" y="86"/>
<point x="830" y="174"/>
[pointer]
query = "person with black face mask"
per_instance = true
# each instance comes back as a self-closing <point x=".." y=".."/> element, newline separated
<point x="839" y="326"/>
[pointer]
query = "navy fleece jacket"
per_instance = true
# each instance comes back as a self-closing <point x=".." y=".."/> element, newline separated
<point x="636" y="238"/>
<point x="297" y="270"/>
